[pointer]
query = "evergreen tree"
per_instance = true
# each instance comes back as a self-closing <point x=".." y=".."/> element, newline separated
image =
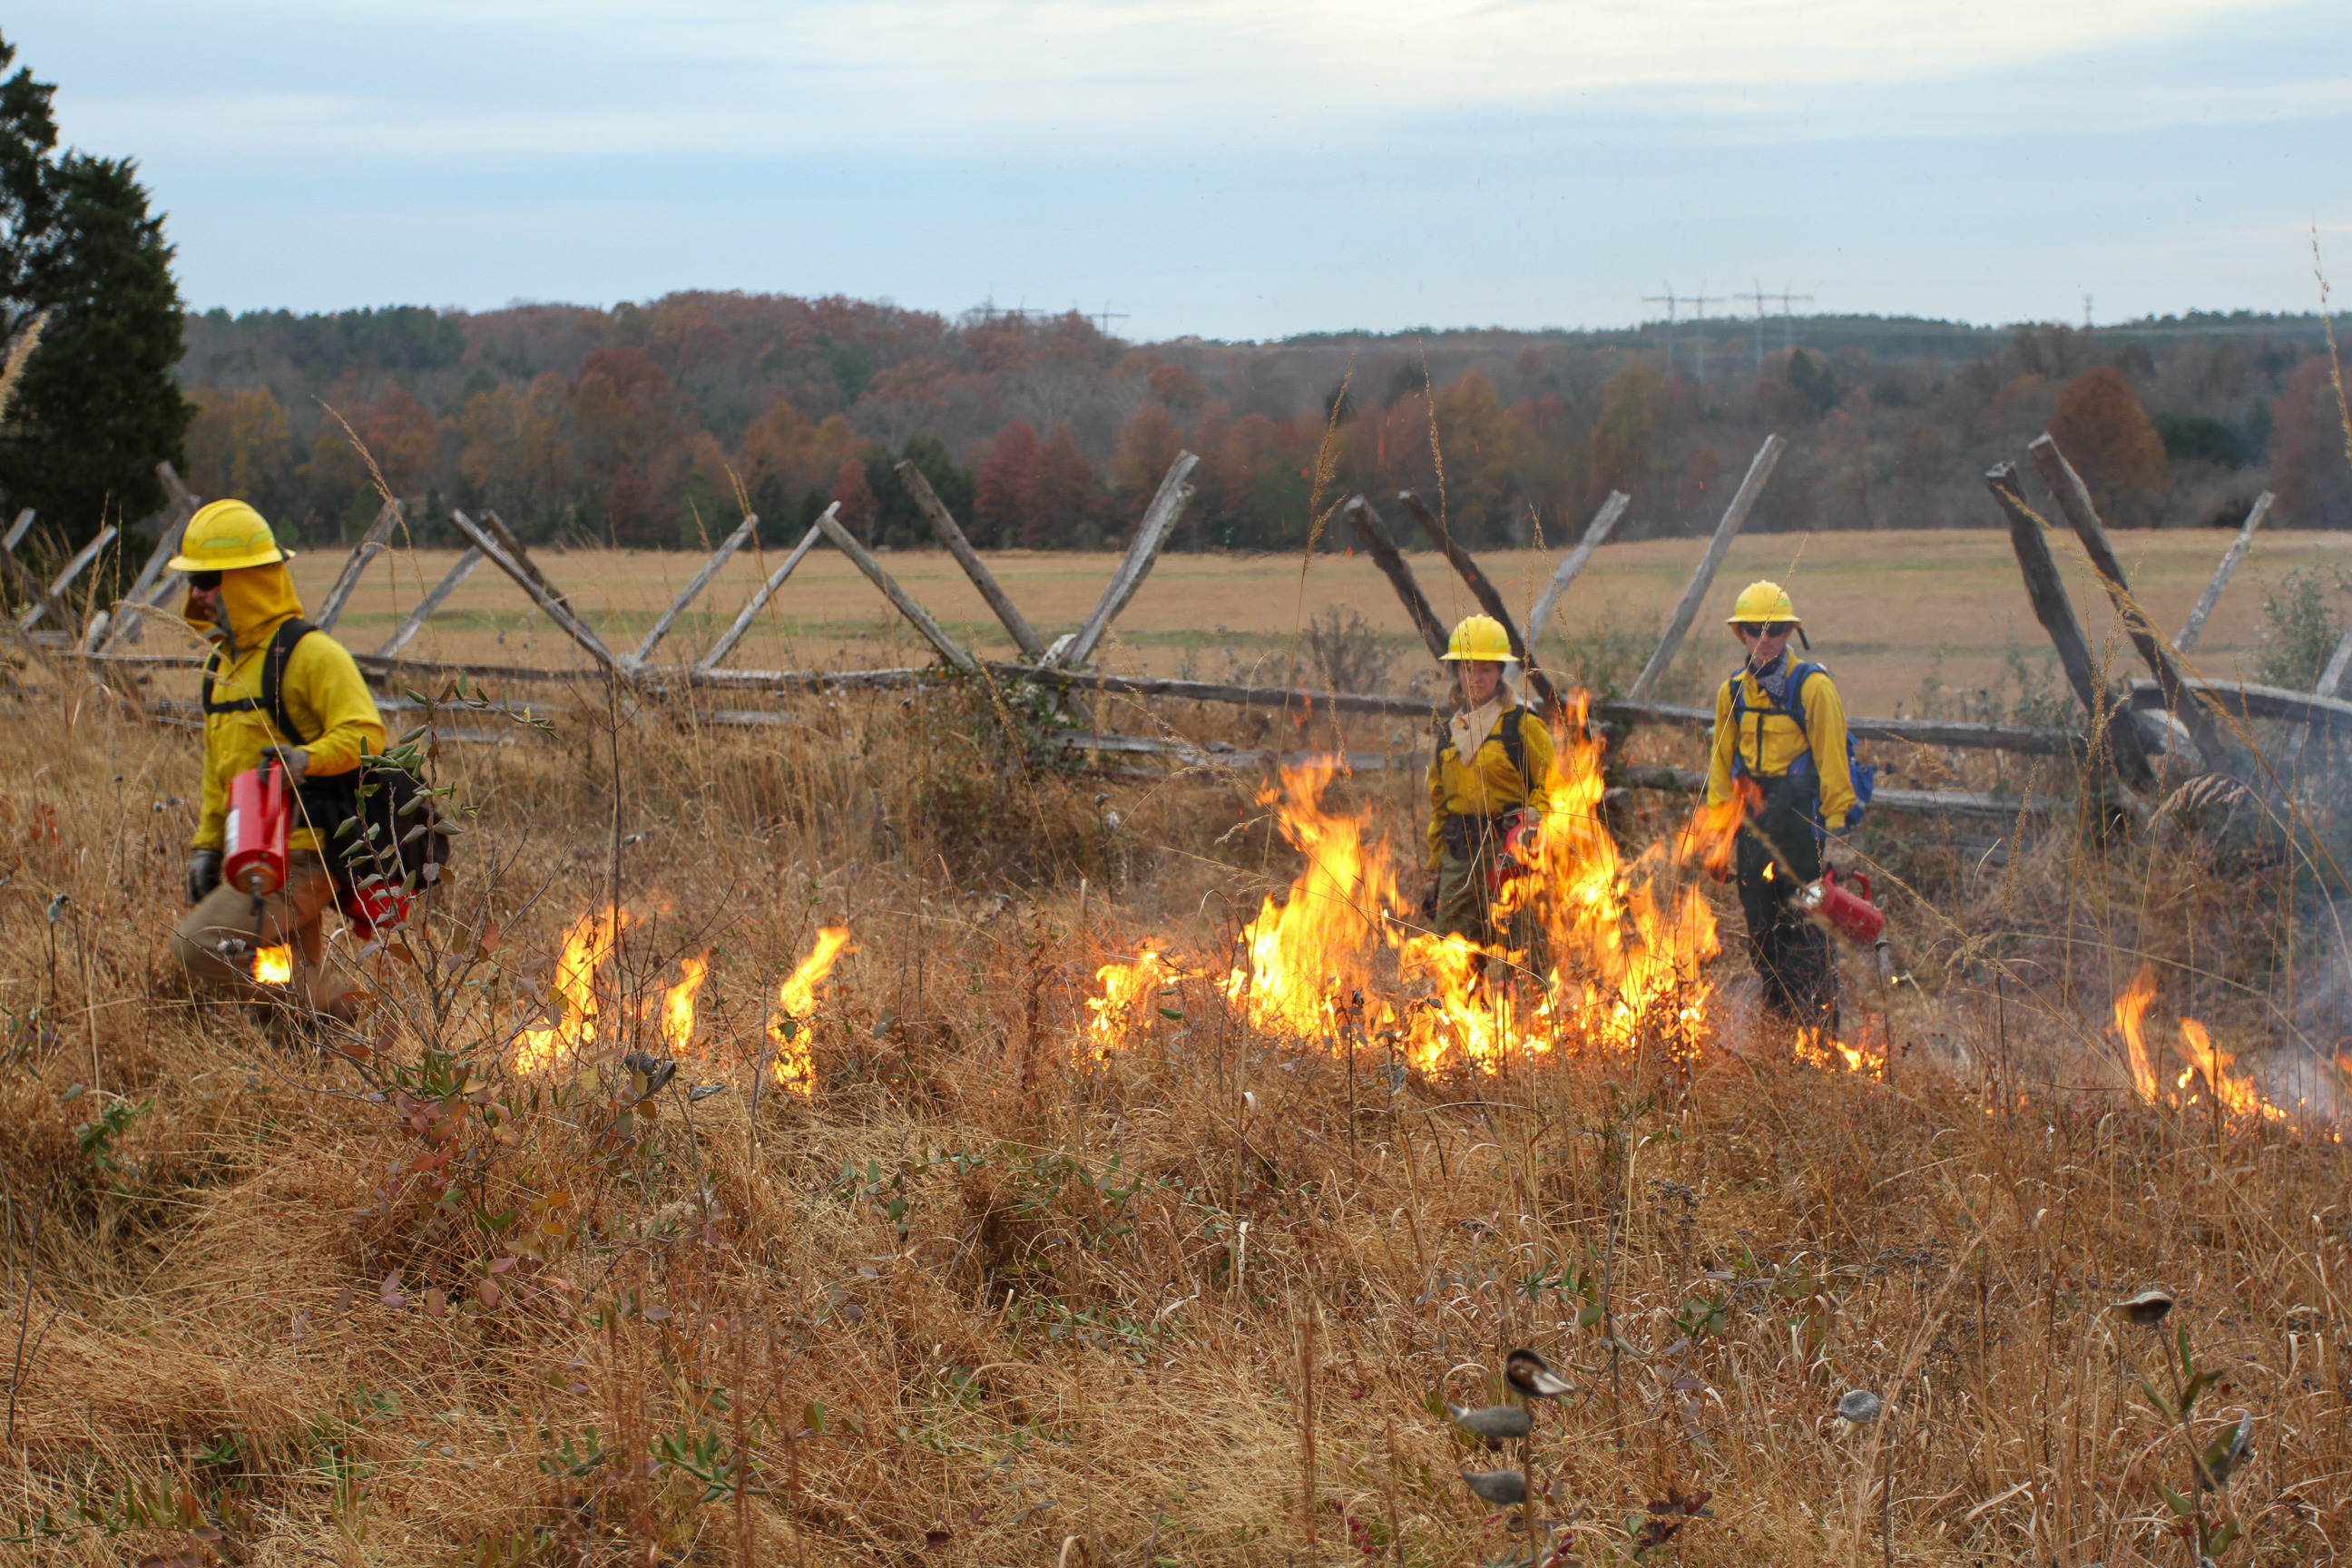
<point x="98" y="407"/>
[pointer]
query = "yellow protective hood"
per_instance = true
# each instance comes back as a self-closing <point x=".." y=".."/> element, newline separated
<point x="256" y="599"/>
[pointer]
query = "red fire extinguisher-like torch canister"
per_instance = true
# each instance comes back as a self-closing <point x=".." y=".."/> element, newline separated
<point x="258" y="813"/>
<point x="1857" y="920"/>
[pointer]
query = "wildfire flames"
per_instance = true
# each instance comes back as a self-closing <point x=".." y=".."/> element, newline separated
<point x="583" y="1001"/>
<point x="794" y="1067"/>
<point x="2236" y="1095"/>
<point x="1614" y="954"/>
<point x="677" y="1004"/>
<point x="274" y="966"/>
<point x="587" y="946"/>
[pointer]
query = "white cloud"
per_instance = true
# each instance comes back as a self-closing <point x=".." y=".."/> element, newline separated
<point x="962" y="76"/>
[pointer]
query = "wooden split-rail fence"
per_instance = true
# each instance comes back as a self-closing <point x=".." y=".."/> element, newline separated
<point x="2195" y="710"/>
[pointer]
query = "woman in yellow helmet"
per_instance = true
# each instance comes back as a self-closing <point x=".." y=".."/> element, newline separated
<point x="1780" y="750"/>
<point x="1492" y="762"/>
<point x="241" y="597"/>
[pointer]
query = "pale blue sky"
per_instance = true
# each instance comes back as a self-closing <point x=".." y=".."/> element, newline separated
<point x="1233" y="168"/>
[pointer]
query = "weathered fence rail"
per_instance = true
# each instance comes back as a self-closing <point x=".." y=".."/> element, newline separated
<point x="2202" y="708"/>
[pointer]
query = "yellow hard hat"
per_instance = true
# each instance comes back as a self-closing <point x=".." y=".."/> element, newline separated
<point x="1763" y="601"/>
<point x="1479" y="637"/>
<point x="225" y="536"/>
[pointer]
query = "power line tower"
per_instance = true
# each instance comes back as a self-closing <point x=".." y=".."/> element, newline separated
<point x="1699" y="302"/>
<point x="1103" y="318"/>
<point x="1759" y="296"/>
<point x="1667" y="299"/>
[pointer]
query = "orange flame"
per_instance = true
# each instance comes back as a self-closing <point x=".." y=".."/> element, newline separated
<point x="677" y="1004"/>
<point x="795" y="1067"/>
<point x="274" y="966"/>
<point x="2236" y="1093"/>
<point x="1308" y="951"/>
<point x="1127" y="988"/>
<point x="2130" y="1008"/>
<point x="586" y="947"/>
<point x="1621" y="951"/>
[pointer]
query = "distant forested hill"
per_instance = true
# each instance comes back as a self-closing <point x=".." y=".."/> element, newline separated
<point x="651" y="425"/>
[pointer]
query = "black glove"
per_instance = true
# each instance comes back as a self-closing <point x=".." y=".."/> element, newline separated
<point x="1428" y="906"/>
<point x="293" y="759"/>
<point x="204" y="874"/>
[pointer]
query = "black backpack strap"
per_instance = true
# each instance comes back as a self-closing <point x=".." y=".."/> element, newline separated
<point x="273" y="677"/>
<point x="1514" y="746"/>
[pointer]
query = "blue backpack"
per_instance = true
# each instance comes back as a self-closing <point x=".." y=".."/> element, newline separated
<point x="1864" y="778"/>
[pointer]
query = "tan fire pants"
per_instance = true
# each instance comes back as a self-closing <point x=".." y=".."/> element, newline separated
<point x="215" y="941"/>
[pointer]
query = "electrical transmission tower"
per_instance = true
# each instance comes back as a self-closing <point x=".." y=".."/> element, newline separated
<point x="1699" y="303"/>
<point x="1667" y="299"/>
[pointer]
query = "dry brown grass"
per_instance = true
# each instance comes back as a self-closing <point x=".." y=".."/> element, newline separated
<point x="1064" y="1333"/>
<point x="1885" y="608"/>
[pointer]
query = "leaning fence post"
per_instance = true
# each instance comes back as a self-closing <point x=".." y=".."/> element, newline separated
<point x="432" y="602"/>
<point x="943" y="523"/>
<point x="917" y="616"/>
<point x="541" y="595"/>
<point x="1158" y="519"/>
<point x="2223" y="573"/>
<point x="2074" y="499"/>
<point x="496" y="527"/>
<point x="149" y="588"/>
<point x="767" y="589"/>
<point x="36" y="597"/>
<point x="356" y="564"/>
<point x="718" y="558"/>
<point x="1374" y="537"/>
<point x="72" y="569"/>
<point x="1734" y="517"/>
<point x="2055" y="611"/>
<point x="1603" y="522"/>
<point x="1483" y="589"/>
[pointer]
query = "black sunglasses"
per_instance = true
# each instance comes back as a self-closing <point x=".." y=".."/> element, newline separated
<point x="1766" y="628"/>
<point x="204" y="582"/>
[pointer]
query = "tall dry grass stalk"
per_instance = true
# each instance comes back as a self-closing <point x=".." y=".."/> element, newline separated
<point x="20" y="353"/>
<point x="985" y="1294"/>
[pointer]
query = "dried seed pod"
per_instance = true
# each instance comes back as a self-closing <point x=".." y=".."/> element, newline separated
<point x="1860" y="1406"/>
<point x="1532" y="1376"/>
<point x="2149" y="1308"/>
<point x="1503" y="1489"/>
<point x="1493" y="1422"/>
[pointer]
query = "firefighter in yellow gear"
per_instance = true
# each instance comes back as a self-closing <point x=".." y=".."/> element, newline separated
<point x="1491" y="766"/>
<point x="241" y="598"/>
<point x="1781" y="750"/>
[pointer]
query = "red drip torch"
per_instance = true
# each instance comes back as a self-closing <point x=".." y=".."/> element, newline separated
<point x="1856" y="918"/>
<point x="260" y="809"/>
<point x="1515" y="856"/>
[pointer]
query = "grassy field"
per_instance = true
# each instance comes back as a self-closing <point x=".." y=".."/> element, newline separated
<point x="1885" y="610"/>
<point x="1009" y="1268"/>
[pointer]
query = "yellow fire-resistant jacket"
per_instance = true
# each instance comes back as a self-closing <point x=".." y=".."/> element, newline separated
<point x="323" y="694"/>
<point x="1769" y="741"/>
<point x="1488" y="786"/>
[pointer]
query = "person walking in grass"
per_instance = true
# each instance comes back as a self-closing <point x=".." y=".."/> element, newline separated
<point x="276" y="689"/>
<point x="1492" y="764"/>
<point x="1781" y="750"/>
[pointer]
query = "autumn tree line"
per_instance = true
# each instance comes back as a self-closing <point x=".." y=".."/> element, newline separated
<point x="654" y="425"/>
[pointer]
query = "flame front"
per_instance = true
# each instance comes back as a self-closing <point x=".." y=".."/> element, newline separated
<point x="587" y="946"/>
<point x="1310" y="950"/>
<point x="2130" y="1008"/>
<point x="274" y="966"/>
<point x="1619" y="960"/>
<point x="795" y="1067"/>
<point x="1126" y="989"/>
<point x="677" y="1004"/>
<point x="2239" y="1096"/>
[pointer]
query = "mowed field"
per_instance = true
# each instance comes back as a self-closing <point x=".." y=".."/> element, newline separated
<point x="1885" y="610"/>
